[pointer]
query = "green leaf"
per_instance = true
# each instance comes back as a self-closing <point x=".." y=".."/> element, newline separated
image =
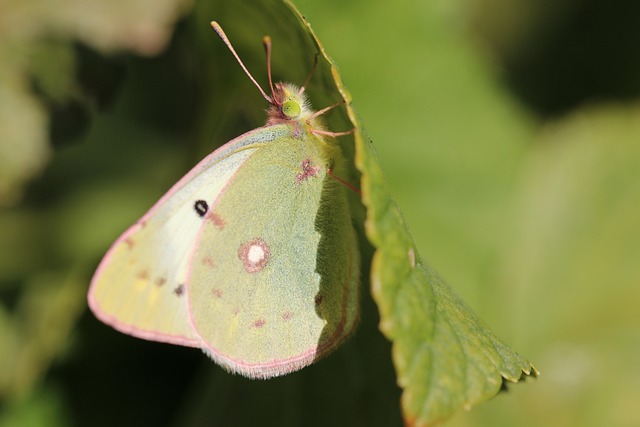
<point x="446" y="359"/>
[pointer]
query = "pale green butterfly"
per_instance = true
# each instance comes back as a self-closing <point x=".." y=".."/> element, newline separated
<point x="251" y="256"/>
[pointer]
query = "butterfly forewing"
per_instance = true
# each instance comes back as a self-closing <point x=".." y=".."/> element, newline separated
<point x="139" y="287"/>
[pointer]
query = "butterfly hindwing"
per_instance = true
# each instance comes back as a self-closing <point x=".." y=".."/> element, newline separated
<point x="274" y="274"/>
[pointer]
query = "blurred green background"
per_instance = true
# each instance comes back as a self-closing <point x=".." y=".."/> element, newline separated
<point x="509" y="132"/>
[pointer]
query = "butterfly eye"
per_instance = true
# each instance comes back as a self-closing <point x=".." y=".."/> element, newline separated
<point x="291" y="109"/>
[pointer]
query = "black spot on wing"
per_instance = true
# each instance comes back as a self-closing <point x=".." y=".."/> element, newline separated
<point x="201" y="208"/>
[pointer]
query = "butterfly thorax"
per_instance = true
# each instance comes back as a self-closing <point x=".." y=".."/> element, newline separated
<point x="290" y="105"/>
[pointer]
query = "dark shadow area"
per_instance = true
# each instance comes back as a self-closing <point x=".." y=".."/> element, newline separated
<point x="589" y="53"/>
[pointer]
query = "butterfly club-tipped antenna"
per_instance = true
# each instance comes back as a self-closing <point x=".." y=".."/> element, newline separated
<point x="267" y="42"/>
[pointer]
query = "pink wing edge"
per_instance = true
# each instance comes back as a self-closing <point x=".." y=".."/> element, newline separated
<point x="132" y="330"/>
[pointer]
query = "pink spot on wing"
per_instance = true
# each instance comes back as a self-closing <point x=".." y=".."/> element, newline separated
<point x="258" y="323"/>
<point x="160" y="281"/>
<point x="216" y="220"/>
<point x="217" y="292"/>
<point x="286" y="316"/>
<point x="254" y="255"/>
<point x="179" y="290"/>
<point x="143" y="275"/>
<point x="208" y="261"/>
<point x="129" y="242"/>
<point x="307" y="170"/>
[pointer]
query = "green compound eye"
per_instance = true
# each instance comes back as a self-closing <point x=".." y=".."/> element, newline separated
<point x="291" y="109"/>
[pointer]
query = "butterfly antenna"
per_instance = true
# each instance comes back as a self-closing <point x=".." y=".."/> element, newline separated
<point x="308" y="79"/>
<point x="267" y="48"/>
<point x="226" y="41"/>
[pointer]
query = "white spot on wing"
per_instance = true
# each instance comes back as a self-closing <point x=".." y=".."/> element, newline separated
<point x="254" y="255"/>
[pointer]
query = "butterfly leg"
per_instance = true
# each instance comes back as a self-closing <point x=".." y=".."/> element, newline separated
<point x="308" y="79"/>
<point x="327" y="132"/>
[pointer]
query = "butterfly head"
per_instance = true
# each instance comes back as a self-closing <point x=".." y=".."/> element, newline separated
<point x="288" y="104"/>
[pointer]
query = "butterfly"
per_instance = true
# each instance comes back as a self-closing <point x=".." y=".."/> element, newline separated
<point x="252" y="255"/>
